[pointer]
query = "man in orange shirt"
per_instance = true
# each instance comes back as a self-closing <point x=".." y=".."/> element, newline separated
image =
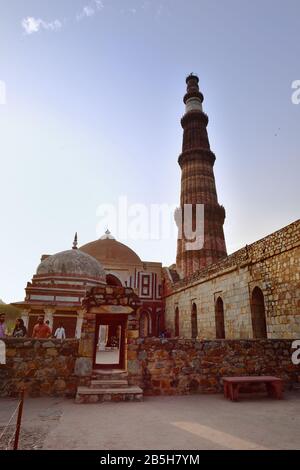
<point x="41" y="330"/>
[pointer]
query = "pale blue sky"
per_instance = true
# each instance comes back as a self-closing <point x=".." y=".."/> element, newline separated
<point x="94" y="101"/>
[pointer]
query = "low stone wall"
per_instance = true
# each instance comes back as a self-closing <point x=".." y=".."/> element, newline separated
<point x="181" y="366"/>
<point x="42" y="367"/>
<point x="159" y="366"/>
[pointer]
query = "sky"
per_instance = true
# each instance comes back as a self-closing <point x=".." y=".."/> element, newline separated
<point x="91" y="111"/>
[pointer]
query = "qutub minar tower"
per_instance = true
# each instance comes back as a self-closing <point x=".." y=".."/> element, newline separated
<point x="198" y="186"/>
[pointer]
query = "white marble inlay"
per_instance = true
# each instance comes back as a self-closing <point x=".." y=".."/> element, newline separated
<point x="61" y="298"/>
<point x="42" y="297"/>
<point x="193" y="104"/>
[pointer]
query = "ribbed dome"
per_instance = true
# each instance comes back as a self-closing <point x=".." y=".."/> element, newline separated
<point x="107" y="251"/>
<point x="73" y="262"/>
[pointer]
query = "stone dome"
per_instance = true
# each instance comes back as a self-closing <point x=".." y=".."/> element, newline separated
<point x="107" y="250"/>
<point x="72" y="262"/>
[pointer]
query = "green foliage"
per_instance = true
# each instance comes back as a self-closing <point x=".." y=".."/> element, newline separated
<point x="11" y="314"/>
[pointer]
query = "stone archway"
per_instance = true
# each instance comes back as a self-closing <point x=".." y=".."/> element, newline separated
<point x="110" y="322"/>
<point x="120" y="304"/>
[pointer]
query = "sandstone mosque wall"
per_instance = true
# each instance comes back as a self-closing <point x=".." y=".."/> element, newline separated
<point x="271" y="264"/>
<point x="159" y="366"/>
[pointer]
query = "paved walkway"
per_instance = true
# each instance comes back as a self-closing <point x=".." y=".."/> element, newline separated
<point x="189" y="422"/>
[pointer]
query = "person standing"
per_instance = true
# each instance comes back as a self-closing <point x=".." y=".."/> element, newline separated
<point x="48" y="324"/>
<point x="2" y="326"/>
<point x="60" y="332"/>
<point x="41" y="330"/>
<point x="20" y="330"/>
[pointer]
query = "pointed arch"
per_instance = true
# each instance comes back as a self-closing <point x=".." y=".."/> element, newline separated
<point x="258" y="314"/>
<point x="145" y="324"/>
<point x="159" y="322"/>
<point x="194" y="321"/>
<point x="177" y="330"/>
<point x="113" y="280"/>
<point x="219" y="317"/>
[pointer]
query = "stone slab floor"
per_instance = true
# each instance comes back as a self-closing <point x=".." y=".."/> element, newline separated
<point x="188" y="422"/>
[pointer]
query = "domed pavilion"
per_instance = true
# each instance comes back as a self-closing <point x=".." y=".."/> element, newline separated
<point x="62" y="281"/>
<point x="58" y="288"/>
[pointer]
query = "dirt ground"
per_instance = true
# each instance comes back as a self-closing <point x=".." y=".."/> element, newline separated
<point x="189" y="422"/>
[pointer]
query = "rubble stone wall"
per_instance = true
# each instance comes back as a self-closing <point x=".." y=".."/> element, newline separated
<point x="181" y="366"/>
<point x="159" y="366"/>
<point x="42" y="367"/>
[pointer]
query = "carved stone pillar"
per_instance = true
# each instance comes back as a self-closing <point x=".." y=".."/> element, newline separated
<point x="79" y="323"/>
<point x="25" y="317"/>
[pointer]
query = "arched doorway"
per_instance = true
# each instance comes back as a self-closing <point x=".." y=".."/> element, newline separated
<point x="176" y="322"/>
<point x="258" y="314"/>
<point x="110" y="343"/>
<point x="145" y="327"/>
<point x="219" y="316"/>
<point x="194" y="321"/>
<point x="112" y="280"/>
<point x="159" y="323"/>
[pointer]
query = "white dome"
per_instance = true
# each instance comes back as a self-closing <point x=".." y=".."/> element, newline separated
<point x="72" y="262"/>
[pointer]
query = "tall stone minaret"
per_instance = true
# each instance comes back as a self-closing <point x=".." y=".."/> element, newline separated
<point x="198" y="187"/>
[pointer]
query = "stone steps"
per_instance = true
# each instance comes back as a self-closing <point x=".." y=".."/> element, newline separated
<point x="96" y="395"/>
<point x="108" y="385"/>
<point x="109" y="374"/>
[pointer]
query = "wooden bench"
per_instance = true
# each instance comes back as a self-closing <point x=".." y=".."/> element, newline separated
<point x="274" y="385"/>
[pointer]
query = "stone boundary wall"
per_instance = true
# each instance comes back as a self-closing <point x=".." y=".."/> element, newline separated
<point x="159" y="366"/>
<point x="274" y="244"/>
<point x="42" y="367"/>
<point x="182" y="366"/>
